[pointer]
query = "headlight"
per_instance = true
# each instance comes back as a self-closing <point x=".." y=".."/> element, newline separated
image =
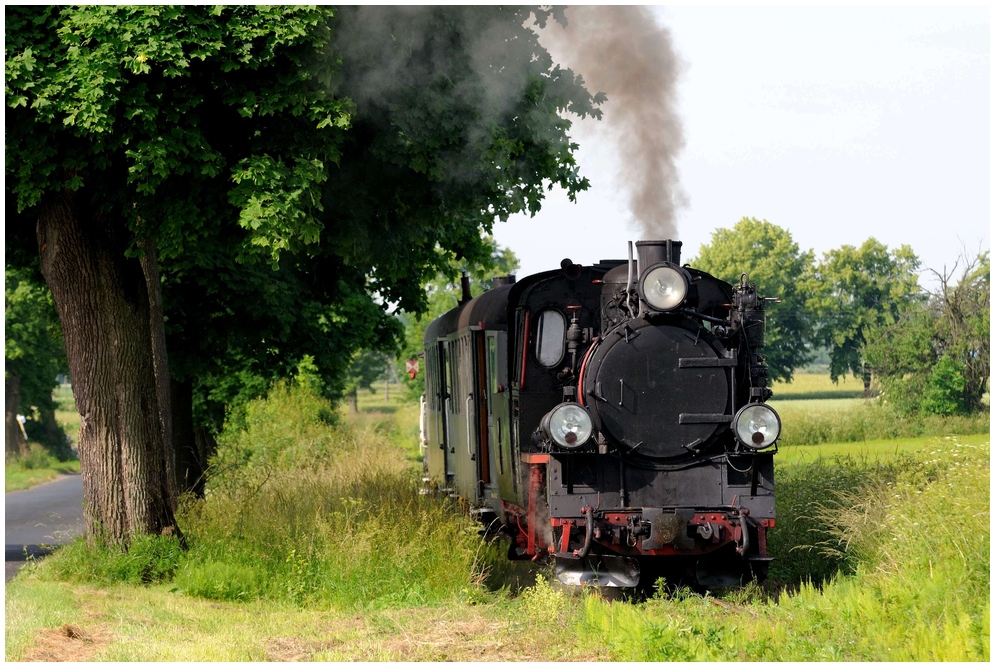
<point x="568" y="425"/>
<point x="757" y="426"/>
<point x="664" y="287"/>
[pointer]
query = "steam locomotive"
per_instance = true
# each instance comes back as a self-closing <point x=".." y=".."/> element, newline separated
<point x="612" y="417"/>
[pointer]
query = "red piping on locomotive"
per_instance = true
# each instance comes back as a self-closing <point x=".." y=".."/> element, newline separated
<point x="583" y="367"/>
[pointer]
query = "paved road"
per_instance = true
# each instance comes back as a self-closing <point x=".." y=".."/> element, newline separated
<point x="48" y="514"/>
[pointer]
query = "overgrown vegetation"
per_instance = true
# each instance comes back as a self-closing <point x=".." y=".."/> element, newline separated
<point x="312" y="517"/>
<point x="303" y="510"/>
<point x="912" y="539"/>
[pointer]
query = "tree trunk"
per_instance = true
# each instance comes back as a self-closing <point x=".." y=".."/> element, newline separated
<point x="14" y="439"/>
<point x="189" y="463"/>
<point x="867" y="380"/>
<point x="354" y="401"/>
<point x="103" y="302"/>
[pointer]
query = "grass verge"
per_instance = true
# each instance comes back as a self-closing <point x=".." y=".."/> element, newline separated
<point x="36" y="468"/>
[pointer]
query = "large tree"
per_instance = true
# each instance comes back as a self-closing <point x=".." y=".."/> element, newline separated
<point x="857" y="289"/>
<point x="267" y="180"/>
<point x="771" y="258"/>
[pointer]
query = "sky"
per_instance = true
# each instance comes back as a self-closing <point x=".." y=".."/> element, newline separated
<point x="837" y="124"/>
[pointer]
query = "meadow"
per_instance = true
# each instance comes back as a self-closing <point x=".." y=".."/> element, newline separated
<point x="314" y="543"/>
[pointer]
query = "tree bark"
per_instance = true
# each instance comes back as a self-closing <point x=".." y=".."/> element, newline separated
<point x="13" y="438"/>
<point x="103" y="302"/>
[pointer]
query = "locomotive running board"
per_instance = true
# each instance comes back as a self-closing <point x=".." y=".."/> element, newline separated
<point x="603" y="571"/>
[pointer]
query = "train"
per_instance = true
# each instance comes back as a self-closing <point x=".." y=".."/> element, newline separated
<point x="611" y="417"/>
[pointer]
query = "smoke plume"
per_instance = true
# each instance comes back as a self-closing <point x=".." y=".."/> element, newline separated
<point x="622" y="52"/>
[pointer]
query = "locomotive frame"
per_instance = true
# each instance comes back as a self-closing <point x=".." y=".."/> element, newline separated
<point x="611" y="417"/>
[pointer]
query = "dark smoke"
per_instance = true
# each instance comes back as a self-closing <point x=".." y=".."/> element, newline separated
<point x="622" y="52"/>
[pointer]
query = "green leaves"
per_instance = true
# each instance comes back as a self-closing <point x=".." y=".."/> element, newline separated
<point x="857" y="289"/>
<point x="779" y="269"/>
<point x="279" y="204"/>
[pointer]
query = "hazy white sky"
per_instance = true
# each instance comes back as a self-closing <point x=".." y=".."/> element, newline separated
<point x="836" y="123"/>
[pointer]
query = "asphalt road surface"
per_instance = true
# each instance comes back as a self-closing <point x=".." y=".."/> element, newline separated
<point x="39" y="518"/>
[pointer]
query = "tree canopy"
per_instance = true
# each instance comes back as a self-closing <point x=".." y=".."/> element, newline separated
<point x="245" y="186"/>
<point x="780" y="270"/>
<point x="857" y="289"/>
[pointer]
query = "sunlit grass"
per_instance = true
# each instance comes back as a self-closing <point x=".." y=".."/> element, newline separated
<point x="36" y="468"/>
<point x="810" y="386"/>
<point x="871" y="450"/>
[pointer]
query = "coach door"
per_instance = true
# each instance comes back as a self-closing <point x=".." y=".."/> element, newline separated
<point x="435" y="414"/>
<point x="449" y="406"/>
<point x="498" y="405"/>
<point x="463" y="414"/>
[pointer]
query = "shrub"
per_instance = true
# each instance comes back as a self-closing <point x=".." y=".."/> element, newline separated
<point x="944" y="392"/>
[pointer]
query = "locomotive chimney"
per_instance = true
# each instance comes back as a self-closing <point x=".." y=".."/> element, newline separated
<point x="653" y="252"/>
<point x="465" y="284"/>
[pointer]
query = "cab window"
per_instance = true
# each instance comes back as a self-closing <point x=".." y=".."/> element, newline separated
<point x="550" y="337"/>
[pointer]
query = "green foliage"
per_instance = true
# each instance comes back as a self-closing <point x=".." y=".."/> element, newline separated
<point x="937" y="360"/>
<point x="35" y="353"/>
<point x="774" y="263"/>
<point x="367" y="367"/>
<point x="303" y="170"/>
<point x="148" y="559"/>
<point x="944" y="393"/>
<point x="857" y="290"/>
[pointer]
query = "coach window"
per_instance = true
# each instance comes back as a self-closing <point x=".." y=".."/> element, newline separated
<point x="550" y="339"/>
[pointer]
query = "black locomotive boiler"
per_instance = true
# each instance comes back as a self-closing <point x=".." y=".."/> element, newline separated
<point x="611" y="417"/>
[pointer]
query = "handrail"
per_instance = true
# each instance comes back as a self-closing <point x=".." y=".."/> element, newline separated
<point x="468" y="421"/>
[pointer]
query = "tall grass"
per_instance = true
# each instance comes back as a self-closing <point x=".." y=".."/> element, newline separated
<point x="812" y="422"/>
<point x="302" y="509"/>
<point x="913" y="542"/>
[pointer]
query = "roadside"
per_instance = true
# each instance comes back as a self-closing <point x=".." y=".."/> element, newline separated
<point x="18" y="477"/>
<point x="39" y="518"/>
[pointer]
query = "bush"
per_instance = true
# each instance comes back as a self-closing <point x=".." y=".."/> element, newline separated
<point x="37" y="458"/>
<point x="944" y="394"/>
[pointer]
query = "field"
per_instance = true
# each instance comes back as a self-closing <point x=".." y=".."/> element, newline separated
<point x="344" y="560"/>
